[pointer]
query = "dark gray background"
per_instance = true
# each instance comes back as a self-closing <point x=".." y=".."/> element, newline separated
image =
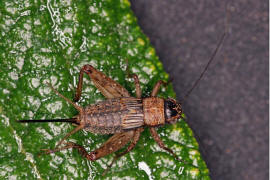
<point x="228" y="111"/>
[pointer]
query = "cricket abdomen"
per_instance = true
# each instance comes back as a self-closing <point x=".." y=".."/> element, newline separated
<point x="114" y="115"/>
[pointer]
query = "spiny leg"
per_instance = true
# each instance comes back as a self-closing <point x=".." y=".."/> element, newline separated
<point x="81" y="150"/>
<point x="113" y="144"/>
<point x="133" y="143"/>
<point x="69" y="145"/>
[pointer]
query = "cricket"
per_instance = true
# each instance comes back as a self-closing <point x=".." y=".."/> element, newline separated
<point x="120" y="114"/>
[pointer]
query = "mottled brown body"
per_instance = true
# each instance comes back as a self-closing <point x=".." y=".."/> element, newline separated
<point x="114" y="115"/>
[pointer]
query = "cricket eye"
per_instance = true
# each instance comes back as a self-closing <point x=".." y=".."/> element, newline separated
<point x="172" y="110"/>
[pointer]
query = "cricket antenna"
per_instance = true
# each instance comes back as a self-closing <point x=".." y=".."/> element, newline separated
<point x="211" y="59"/>
<point x="206" y="67"/>
<point x="70" y="120"/>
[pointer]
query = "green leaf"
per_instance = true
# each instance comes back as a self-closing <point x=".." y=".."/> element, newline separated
<point x="50" y="41"/>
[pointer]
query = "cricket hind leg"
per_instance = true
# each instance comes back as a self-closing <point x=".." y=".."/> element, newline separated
<point x="69" y="145"/>
<point x="133" y="143"/>
<point x="113" y="144"/>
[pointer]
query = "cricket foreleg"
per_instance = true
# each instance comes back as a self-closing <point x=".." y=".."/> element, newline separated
<point x="161" y="144"/>
<point x="133" y="143"/>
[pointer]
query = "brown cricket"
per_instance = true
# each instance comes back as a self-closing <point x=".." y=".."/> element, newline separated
<point x="121" y="115"/>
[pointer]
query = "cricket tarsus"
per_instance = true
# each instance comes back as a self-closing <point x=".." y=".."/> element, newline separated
<point x="206" y="67"/>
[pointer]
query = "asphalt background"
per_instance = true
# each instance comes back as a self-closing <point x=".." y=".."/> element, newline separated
<point x="228" y="111"/>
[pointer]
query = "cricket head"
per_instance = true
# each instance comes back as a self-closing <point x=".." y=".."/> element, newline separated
<point x="173" y="110"/>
